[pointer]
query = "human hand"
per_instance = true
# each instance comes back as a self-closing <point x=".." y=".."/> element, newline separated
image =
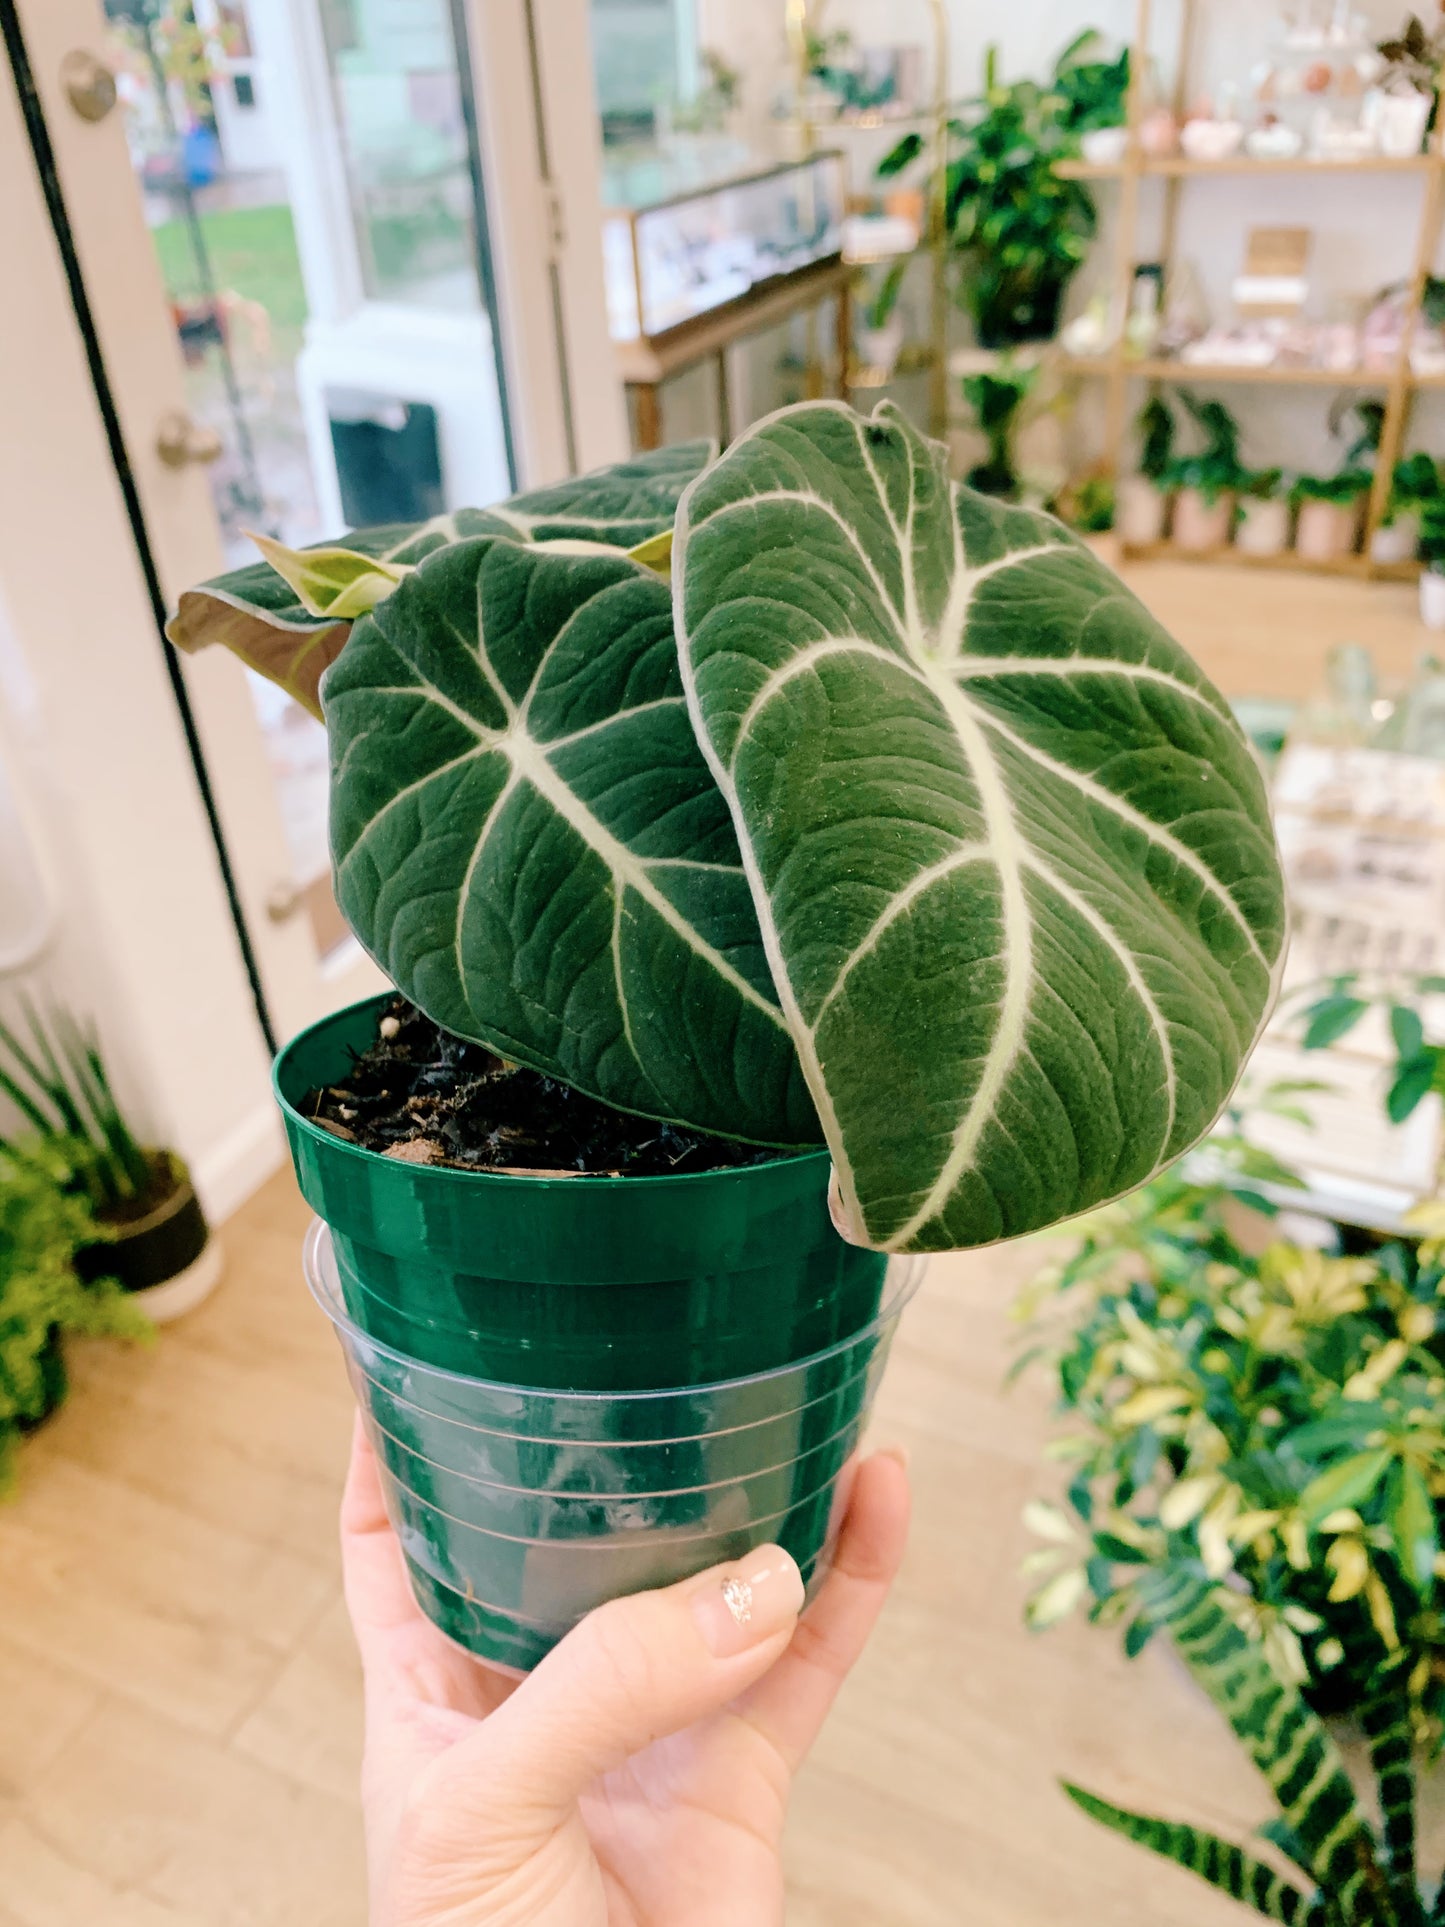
<point x="639" y="1777"/>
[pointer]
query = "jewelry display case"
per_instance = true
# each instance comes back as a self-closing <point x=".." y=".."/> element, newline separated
<point x="679" y="258"/>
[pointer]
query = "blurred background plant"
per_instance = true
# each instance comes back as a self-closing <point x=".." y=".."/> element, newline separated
<point x="44" y="1226"/>
<point x="52" y="1072"/>
<point x="1019" y="232"/>
<point x="1262" y="1411"/>
<point x="997" y="399"/>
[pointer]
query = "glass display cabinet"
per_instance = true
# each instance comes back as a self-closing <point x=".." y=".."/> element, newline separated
<point x="679" y="258"/>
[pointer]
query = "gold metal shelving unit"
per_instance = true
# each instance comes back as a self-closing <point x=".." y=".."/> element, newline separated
<point x="930" y="355"/>
<point x="1399" y="384"/>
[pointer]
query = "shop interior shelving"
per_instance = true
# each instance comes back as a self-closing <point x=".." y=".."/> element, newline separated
<point x="929" y="356"/>
<point x="1118" y="370"/>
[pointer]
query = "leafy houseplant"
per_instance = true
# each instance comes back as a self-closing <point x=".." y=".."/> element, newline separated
<point x="1329" y="506"/>
<point x="148" y="1228"/>
<point x="628" y="835"/>
<point x="1262" y="1415"/>
<point x="44" y="1226"/>
<point x="1432" y="554"/>
<point x="1019" y="231"/>
<point x="1333" y="1865"/>
<point x="1143" y="502"/>
<point x="1264" y="512"/>
<point x="996" y="399"/>
<point x="1205" y="482"/>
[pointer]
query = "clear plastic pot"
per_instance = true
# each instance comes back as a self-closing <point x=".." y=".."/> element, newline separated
<point x="519" y="1508"/>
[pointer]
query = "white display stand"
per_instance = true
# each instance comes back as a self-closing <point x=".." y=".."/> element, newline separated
<point x="421" y="356"/>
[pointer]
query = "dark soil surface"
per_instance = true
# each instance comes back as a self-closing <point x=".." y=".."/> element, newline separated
<point x="427" y="1097"/>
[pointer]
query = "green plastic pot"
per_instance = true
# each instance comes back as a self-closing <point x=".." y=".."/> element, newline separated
<point x="597" y="1284"/>
<point x="578" y="1387"/>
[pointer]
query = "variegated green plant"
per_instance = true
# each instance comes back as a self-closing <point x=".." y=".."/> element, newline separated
<point x="1276" y="1415"/>
<point x="897" y="824"/>
<point x="1322" y="1862"/>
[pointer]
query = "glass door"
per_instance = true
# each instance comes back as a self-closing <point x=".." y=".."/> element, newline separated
<point x="310" y="350"/>
<point x="279" y="214"/>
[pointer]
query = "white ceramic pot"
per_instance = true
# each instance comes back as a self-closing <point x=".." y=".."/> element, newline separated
<point x="881" y="347"/>
<point x="1105" y="146"/>
<point x="1211" y="140"/>
<point x="1326" y="530"/>
<point x="1432" y="599"/>
<point x="1200" y="526"/>
<point x="1397" y="541"/>
<point x="1263" y="526"/>
<point x="1141" y="512"/>
<point x="1399" y="122"/>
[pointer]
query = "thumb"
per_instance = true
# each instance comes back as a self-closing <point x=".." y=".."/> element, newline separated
<point x="630" y="1673"/>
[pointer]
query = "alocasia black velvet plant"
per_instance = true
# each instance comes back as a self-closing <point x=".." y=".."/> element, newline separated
<point x="895" y="822"/>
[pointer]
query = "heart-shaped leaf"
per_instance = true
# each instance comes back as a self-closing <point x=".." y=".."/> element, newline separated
<point x="1010" y="852"/>
<point x="527" y="839"/>
<point x="264" y="620"/>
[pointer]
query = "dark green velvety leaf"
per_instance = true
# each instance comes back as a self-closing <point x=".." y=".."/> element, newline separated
<point x="259" y="617"/>
<point x="527" y="839"/>
<point x="1010" y="851"/>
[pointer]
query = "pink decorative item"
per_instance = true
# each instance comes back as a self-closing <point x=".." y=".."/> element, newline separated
<point x="1142" y="512"/>
<point x="1159" y="134"/>
<point x="1327" y="530"/>
<point x="1200" y="525"/>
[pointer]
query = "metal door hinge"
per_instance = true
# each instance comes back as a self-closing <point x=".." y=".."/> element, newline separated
<point x="554" y="220"/>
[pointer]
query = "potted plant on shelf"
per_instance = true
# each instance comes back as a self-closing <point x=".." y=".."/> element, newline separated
<point x="820" y="858"/>
<point x="1432" y="555"/>
<point x="1416" y="480"/>
<point x="44" y="1226"/>
<point x="1204" y="484"/>
<point x="1264" y="512"/>
<point x="1019" y="231"/>
<point x="147" y="1227"/>
<point x="1328" y="513"/>
<point x="1143" y="502"/>
<point x="880" y="334"/>
<point x="996" y="399"/>
<point x="1095" y="95"/>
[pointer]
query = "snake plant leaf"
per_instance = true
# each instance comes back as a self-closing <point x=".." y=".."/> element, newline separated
<point x="1009" y="849"/>
<point x="262" y="619"/>
<point x="1241" y="1875"/>
<point x="527" y="839"/>
<point x="1284" y="1738"/>
<point x="1386" y="1719"/>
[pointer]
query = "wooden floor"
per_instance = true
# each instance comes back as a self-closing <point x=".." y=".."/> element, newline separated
<point x="179" y="1721"/>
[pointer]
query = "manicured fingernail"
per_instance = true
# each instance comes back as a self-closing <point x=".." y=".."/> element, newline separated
<point x="741" y="1605"/>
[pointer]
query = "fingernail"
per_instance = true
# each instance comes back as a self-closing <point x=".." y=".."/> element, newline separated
<point x="899" y="1454"/>
<point x="741" y="1605"/>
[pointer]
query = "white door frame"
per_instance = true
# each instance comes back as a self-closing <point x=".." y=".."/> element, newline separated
<point x="536" y="110"/>
<point x="96" y="741"/>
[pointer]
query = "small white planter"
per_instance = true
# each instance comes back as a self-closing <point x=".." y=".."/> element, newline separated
<point x="1399" y="122"/>
<point x="1200" y="525"/>
<point x="1432" y="599"/>
<point x="1397" y="541"/>
<point x="1141" y="513"/>
<point x="1326" y="530"/>
<point x="1263" y="526"/>
<point x="881" y="347"/>
<point x="1105" y="146"/>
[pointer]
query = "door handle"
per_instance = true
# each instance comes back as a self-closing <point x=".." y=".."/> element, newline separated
<point x="180" y="440"/>
<point x="283" y="902"/>
<point x="89" y="84"/>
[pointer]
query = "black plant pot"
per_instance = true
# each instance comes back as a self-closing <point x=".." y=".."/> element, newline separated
<point x="1010" y="315"/>
<point x="151" y="1250"/>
